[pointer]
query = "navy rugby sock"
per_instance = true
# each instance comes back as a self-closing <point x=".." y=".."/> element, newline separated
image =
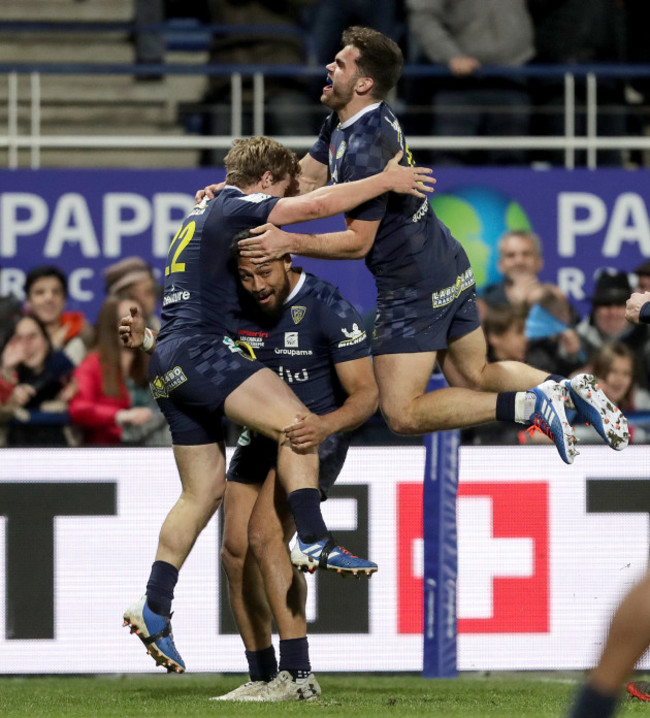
<point x="506" y="405"/>
<point x="305" y="507"/>
<point x="262" y="665"/>
<point x="160" y="587"/>
<point x="294" y="657"/>
<point x="592" y="704"/>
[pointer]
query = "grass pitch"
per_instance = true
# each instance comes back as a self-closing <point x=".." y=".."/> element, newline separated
<point x="395" y="696"/>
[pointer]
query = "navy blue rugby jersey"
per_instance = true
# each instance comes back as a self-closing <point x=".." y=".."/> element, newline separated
<point x="200" y="291"/>
<point x="412" y="246"/>
<point x="317" y="329"/>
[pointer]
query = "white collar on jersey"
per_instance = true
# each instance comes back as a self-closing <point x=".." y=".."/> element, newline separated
<point x="297" y="288"/>
<point x="368" y="108"/>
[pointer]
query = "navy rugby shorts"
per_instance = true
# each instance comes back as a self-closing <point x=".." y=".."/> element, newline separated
<point x="256" y="455"/>
<point x="410" y="320"/>
<point x="191" y="377"/>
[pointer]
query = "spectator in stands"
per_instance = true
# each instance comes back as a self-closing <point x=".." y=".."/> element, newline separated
<point x="46" y="291"/>
<point x="35" y="387"/>
<point x="573" y="32"/>
<point x="149" y="40"/>
<point x="133" y="278"/>
<point x="465" y="35"/>
<point x="520" y="262"/>
<point x="289" y="107"/>
<point x="103" y="406"/>
<point x="506" y="341"/>
<point x="504" y="331"/>
<point x="614" y="367"/>
<point x="328" y="18"/>
<point x="606" y="322"/>
<point x="10" y="313"/>
<point x="552" y="341"/>
<point x="643" y="277"/>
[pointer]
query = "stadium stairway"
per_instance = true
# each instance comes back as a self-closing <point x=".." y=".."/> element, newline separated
<point x="91" y="105"/>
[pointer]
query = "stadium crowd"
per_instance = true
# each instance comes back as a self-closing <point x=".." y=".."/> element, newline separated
<point x="64" y="382"/>
<point x="459" y="36"/>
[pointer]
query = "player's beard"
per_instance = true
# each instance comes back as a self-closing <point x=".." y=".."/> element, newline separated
<point x="340" y="96"/>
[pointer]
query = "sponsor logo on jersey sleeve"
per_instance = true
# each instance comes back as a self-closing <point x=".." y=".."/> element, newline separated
<point x="352" y="337"/>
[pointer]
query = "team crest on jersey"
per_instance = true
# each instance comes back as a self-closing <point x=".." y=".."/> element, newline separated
<point x="291" y="340"/>
<point x="162" y="386"/>
<point x="298" y="314"/>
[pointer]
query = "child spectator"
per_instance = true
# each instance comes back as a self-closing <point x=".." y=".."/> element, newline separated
<point x="46" y="290"/>
<point x="614" y="367"/>
<point x="504" y="332"/>
<point x="607" y="323"/>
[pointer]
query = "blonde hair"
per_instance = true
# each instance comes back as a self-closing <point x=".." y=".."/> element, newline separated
<point x="250" y="158"/>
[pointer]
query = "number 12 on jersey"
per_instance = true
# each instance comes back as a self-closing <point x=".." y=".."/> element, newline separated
<point x="182" y="238"/>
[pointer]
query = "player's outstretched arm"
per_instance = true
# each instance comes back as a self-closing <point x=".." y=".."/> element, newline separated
<point x="634" y="306"/>
<point x="358" y="381"/>
<point x="270" y="242"/>
<point x="339" y="198"/>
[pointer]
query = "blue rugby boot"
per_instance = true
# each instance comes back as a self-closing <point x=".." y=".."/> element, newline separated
<point x="327" y="555"/>
<point x="550" y="418"/>
<point x="155" y="632"/>
<point x="596" y="409"/>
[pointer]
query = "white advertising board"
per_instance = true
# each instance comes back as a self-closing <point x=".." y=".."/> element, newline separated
<point x="545" y="553"/>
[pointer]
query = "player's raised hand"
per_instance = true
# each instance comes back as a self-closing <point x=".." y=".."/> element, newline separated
<point x="131" y="329"/>
<point x="269" y="242"/>
<point x="417" y="181"/>
<point x="210" y="191"/>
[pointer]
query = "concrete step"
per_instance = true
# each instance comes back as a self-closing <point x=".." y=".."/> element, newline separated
<point x="111" y="47"/>
<point x="107" y="89"/>
<point x="67" y="10"/>
<point x="81" y="114"/>
<point x="143" y="129"/>
<point x="94" y="158"/>
<point x="66" y="48"/>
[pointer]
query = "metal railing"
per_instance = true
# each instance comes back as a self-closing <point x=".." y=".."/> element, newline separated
<point x="569" y="142"/>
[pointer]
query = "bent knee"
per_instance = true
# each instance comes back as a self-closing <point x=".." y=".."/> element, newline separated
<point x="232" y="558"/>
<point x="207" y="497"/>
<point x="401" y="422"/>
